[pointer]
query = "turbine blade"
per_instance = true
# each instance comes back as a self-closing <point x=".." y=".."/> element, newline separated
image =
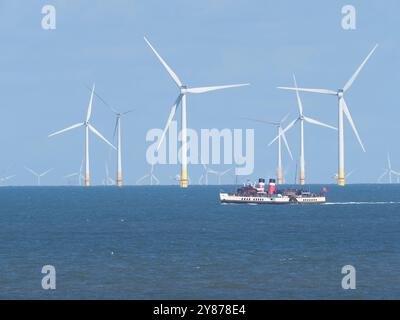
<point x="284" y="118"/>
<point x="318" y="123"/>
<point x="396" y="173"/>
<point x="262" y="121"/>
<point x="286" y="144"/>
<point x="31" y="171"/>
<point x="350" y="173"/>
<point x="208" y="89"/>
<point x="66" y="129"/>
<point x="225" y="172"/>
<point x="321" y="91"/>
<point x="126" y="112"/>
<point x="93" y="129"/>
<point x="102" y="100"/>
<point x="155" y="178"/>
<point x="89" y="112"/>
<point x="166" y="66"/>
<point x="46" y="172"/>
<point x="170" y="118"/>
<point x="116" y="127"/>
<point x="382" y="176"/>
<point x="299" y="103"/>
<point x="284" y="131"/>
<point x="71" y="175"/>
<point x="355" y="75"/>
<point x="348" y="115"/>
<point x="142" y="178"/>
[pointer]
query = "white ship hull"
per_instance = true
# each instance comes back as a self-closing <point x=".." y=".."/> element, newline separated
<point x="229" y="198"/>
<point x="232" y="198"/>
<point x="310" y="200"/>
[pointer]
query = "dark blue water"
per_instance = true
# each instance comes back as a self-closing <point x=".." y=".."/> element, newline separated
<point x="168" y="243"/>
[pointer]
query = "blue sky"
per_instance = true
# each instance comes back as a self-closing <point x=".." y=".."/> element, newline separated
<point x="43" y="76"/>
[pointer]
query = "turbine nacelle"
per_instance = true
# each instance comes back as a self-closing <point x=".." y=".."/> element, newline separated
<point x="340" y="93"/>
<point x="184" y="89"/>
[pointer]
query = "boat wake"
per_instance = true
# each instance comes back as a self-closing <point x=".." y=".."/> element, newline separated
<point x="360" y="203"/>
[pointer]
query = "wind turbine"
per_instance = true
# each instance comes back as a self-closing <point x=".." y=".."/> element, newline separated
<point x="88" y="126"/>
<point x="3" y="180"/>
<point x="220" y="174"/>
<point x="77" y="174"/>
<point x="38" y="175"/>
<point x="117" y="131"/>
<point x="389" y="171"/>
<point x="281" y="135"/>
<point x="151" y="176"/>
<point x="343" y="110"/>
<point x="181" y="99"/>
<point x="204" y="177"/>
<point x="301" y="119"/>
<point x="108" y="181"/>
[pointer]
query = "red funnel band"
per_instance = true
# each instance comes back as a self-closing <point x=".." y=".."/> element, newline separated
<point x="271" y="188"/>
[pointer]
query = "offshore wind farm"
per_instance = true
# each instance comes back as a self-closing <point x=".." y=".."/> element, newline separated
<point x="139" y="187"/>
<point x="181" y="102"/>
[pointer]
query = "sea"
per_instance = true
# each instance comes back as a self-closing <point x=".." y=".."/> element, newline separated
<point x="162" y="242"/>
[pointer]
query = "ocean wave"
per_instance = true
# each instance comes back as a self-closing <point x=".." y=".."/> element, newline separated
<point x="361" y="203"/>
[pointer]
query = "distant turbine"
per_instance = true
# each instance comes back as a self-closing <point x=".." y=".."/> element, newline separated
<point x="342" y="110"/>
<point x="204" y="177"/>
<point x="117" y="131"/>
<point x="149" y="176"/>
<point x="220" y="174"/>
<point x="108" y="181"/>
<point x="281" y="135"/>
<point x="301" y="119"/>
<point x="87" y="125"/>
<point x="77" y="174"/>
<point x="389" y="171"/>
<point x="3" y="180"/>
<point x="38" y="175"/>
<point x="183" y="91"/>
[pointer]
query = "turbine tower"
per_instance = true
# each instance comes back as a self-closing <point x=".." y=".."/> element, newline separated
<point x="301" y="119"/>
<point x="281" y="136"/>
<point x="343" y="110"/>
<point x="38" y="175"/>
<point x="88" y="127"/>
<point x="181" y="100"/>
<point x="117" y="131"/>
